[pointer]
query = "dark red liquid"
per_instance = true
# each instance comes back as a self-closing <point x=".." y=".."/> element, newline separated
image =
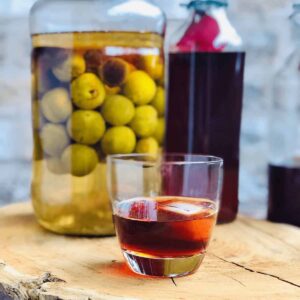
<point x="162" y="227"/>
<point x="204" y="113"/>
<point x="284" y="194"/>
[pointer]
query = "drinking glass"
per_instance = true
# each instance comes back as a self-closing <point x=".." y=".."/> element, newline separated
<point x="164" y="209"/>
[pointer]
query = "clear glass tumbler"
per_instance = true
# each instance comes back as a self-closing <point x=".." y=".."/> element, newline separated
<point x="164" y="209"/>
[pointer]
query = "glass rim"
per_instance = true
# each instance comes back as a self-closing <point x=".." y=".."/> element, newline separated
<point x="202" y="159"/>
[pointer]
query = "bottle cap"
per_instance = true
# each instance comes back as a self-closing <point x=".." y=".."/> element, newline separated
<point x="196" y="3"/>
<point x="296" y="4"/>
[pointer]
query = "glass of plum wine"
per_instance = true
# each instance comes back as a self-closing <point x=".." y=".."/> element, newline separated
<point x="164" y="209"/>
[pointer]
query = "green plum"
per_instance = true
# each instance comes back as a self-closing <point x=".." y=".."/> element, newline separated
<point x="86" y="127"/>
<point x="79" y="160"/>
<point x="56" y="105"/>
<point x="54" y="139"/>
<point x="88" y="91"/>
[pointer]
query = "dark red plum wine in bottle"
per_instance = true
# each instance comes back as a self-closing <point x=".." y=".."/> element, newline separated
<point x="205" y="92"/>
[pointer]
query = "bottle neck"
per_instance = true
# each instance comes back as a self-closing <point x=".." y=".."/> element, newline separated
<point x="208" y="29"/>
<point x="211" y="10"/>
<point x="217" y="9"/>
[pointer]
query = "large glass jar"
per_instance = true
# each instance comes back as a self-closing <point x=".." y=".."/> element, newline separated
<point x="97" y="89"/>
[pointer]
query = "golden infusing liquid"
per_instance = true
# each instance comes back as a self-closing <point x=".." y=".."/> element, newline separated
<point x="69" y="190"/>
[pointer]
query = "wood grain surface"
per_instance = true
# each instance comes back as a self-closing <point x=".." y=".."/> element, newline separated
<point x="247" y="259"/>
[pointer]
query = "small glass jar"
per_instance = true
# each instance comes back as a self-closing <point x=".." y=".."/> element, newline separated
<point x="97" y="89"/>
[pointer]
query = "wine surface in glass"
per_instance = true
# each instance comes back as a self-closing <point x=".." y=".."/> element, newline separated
<point x="165" y="226"/>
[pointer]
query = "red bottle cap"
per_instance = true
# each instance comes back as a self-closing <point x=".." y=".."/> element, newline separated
<point x="202" y="33"/>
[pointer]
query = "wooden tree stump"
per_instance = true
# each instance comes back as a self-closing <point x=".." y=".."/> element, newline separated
<point x="247" y="259"/>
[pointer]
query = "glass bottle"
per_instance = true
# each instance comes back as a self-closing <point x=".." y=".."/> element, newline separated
<point x="284" y="135"/>
<point x="97" y="89"/>
<point x="205" y="91"/>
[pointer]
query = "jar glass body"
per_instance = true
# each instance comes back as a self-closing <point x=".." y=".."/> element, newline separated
<point x="94" y="63"/>
<point x="205" y="92"/>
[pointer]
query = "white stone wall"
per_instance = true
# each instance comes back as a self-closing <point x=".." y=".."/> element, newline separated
<point x="15" y="133"/>
<point x="263" y="26"/>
